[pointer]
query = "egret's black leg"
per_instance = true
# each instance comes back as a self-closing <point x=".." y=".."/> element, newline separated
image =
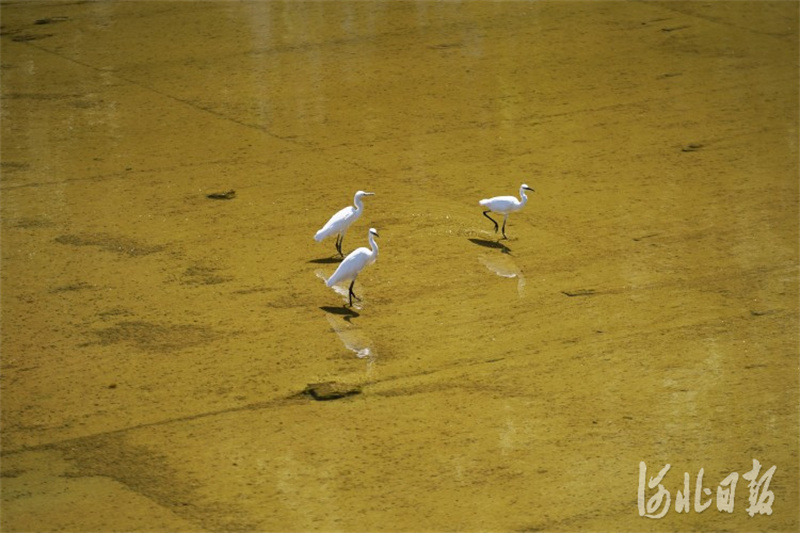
<point x="339" y="240"/>
<point x="504" y="226"/>
<point x="486" y="214"/>
<point x="351" y="294"/>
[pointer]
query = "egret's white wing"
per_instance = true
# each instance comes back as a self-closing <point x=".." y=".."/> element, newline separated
<point x="338" y="223"/>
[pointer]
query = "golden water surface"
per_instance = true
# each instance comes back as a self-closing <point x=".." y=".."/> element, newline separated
<point x="644" y="308"/>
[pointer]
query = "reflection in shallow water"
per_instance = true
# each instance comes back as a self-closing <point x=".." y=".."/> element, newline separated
<point x="354" y="339"/>
<point x="504" y="266"/>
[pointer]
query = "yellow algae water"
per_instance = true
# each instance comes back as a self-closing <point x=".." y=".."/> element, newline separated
<point x="642" y="312"/>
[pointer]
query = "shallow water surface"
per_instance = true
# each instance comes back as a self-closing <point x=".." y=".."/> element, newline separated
<point x="644" y="307"/>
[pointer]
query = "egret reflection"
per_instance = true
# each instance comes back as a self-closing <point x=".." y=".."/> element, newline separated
<point x="353" y="338"/>
<point x="504" y="266"/>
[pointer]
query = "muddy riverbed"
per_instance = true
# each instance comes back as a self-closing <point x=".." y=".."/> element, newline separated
<point x="642" y="312"/>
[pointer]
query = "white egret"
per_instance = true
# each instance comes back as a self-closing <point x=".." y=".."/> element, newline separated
<point x="354" y="263"/>
<point x="505" y="205"/>
<point x="342" y="220"/>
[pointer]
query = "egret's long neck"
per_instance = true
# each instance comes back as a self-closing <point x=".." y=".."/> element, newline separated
<point x="523" y="198"/>
<point x="374" y="246"/>
<point x="359" y="204"/>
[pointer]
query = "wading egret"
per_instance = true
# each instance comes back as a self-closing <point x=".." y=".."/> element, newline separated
<point x="505" y="205"/>
<point x="342" y="220"/>
<point x="354" y="263"/>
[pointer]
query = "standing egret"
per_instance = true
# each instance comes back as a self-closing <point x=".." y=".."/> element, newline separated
<point x="354" y="263"/>
<point x="342" y="220"/>
<point x="505" y="205"/>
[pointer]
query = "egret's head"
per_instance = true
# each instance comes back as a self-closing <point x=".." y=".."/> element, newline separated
<point x="373" y="231"/>
<point x="525" y="186"/>
<point x="361" y="194"/>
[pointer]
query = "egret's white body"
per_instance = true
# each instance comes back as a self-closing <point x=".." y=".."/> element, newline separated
<point x="505" y="205"/>
<point x="338" y="223"/>
<point x="354" y="263"/>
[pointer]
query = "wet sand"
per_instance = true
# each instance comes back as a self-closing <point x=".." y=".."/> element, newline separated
<point x="644" y="307"/>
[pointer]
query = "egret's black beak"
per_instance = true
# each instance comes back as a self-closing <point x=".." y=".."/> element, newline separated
<point x="528" y="188"/>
